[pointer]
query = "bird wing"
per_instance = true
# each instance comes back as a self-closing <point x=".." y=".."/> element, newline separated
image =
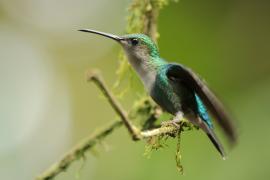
<point x="179" y="73"/>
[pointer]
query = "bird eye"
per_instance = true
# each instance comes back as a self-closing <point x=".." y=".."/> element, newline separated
<point x="134" y="41"/>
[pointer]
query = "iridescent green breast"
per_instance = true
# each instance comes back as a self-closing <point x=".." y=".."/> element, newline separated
<point x="163" y="93"/>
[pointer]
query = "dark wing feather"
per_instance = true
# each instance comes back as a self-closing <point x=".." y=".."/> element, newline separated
<point x="176" y="71"/>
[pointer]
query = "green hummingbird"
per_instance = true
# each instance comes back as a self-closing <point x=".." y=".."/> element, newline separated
<point x="174" y="87"/>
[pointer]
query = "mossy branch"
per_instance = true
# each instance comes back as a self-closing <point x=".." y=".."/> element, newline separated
<point x="79" y="150"/>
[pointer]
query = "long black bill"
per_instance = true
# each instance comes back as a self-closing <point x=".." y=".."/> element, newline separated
<point x="111" y="36"/>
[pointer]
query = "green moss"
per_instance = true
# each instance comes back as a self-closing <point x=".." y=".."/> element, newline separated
<point x="141" y="13"/>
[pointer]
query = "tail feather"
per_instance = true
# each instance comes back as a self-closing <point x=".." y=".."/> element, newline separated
<point x="217" y="144"/>
<point x="212" y="136"/>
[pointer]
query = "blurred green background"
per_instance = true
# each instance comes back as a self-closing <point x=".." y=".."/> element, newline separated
<point x="47" y="106"/>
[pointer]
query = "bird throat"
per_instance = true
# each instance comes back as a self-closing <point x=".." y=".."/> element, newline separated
<point x="145" y="68"/>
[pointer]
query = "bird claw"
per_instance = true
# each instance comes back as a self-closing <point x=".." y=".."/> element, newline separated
<point x="170" y="123"/>
<point x="175" y="121"/>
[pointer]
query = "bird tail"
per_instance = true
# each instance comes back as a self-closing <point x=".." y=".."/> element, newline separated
<point x="212" y="136"/>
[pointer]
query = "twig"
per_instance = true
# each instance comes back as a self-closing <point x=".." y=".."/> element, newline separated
<point x="136" y="134"/>
<point x="78" y="151"/>
<point x="95" y="76"/>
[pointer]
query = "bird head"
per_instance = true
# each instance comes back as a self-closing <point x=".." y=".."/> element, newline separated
<point x="138" y="47"/>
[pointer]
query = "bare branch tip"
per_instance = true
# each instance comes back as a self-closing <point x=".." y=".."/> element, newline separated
<point x="93" y="74"/>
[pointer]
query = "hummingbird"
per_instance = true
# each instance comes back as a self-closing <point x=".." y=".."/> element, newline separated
<point x="174" y="87"/>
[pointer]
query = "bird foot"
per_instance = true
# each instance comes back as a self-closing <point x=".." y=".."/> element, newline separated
<point x="171" y="123"/>
<point x="175" y="121"/>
